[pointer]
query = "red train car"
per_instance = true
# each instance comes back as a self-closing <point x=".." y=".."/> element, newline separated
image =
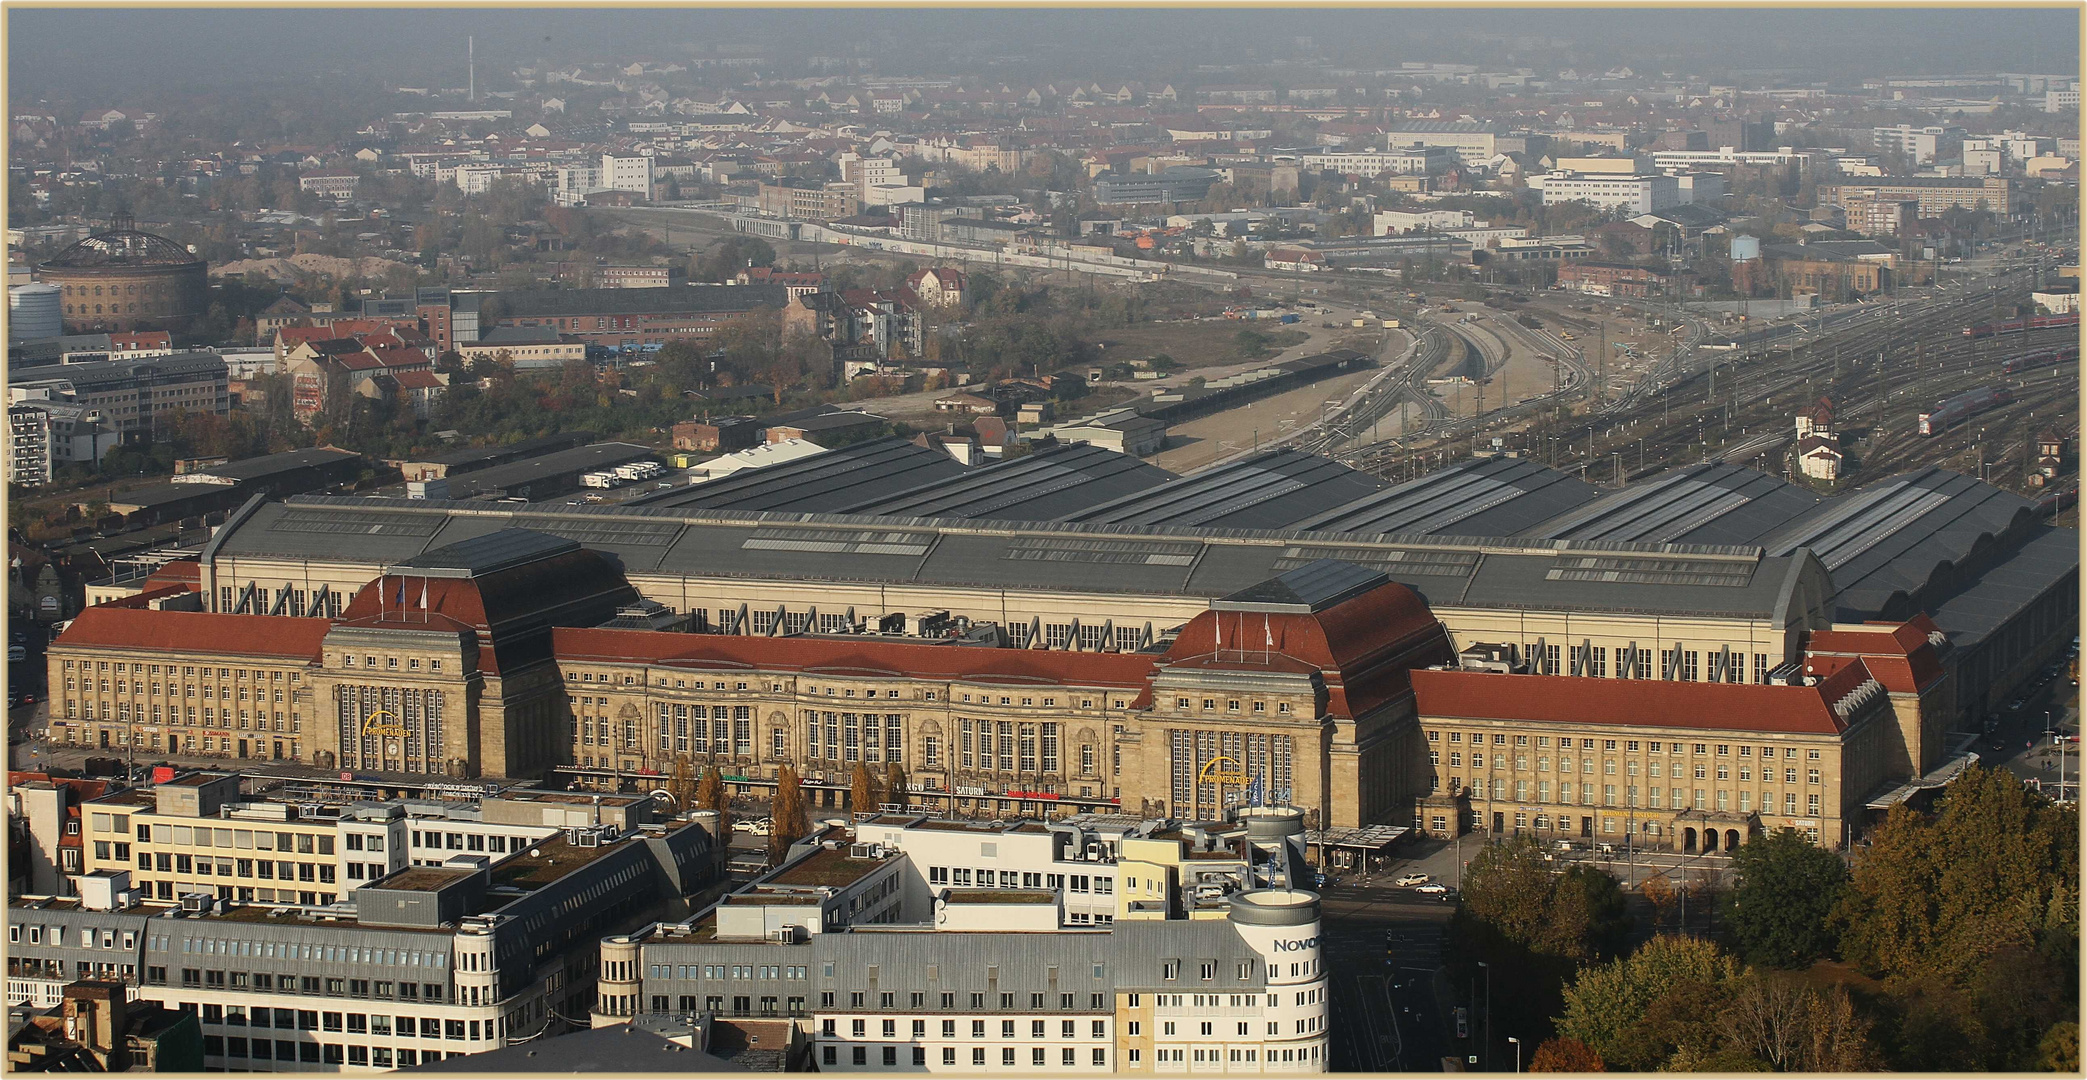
<point x="1962" y="407"/>
<point x="2022" y="325"/>
<point x="2036" y="360"/>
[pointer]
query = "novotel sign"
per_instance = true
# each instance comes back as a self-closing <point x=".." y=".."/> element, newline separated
<point x="1297" y="946"/>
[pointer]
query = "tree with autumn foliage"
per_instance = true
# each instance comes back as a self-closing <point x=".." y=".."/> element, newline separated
<point x="710" y="795"/>
<point x="1565" y="1055"/>
<point x="895" y="784"/>
<point x="1534" y="927"/>
<point x="1970" y="914"/>
<point x="862" y="790"/>
<point x="788" y="818"/>
<point x="681" y="785"/>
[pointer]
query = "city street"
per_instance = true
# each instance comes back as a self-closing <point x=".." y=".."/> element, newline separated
<point x="2018" y="743"/>
<point x="1384" y="949"/>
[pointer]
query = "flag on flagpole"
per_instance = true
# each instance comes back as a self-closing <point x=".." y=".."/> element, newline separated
<point x="423" y="594"/>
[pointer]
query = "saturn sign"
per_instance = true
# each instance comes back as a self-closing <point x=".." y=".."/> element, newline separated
<point x="383" y="725"/>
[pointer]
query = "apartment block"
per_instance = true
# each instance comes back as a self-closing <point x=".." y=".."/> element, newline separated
<point x="627" y="172"/>
<point x="197" y="835"/>
<point x="419" y="964"/>
<point x="1934" y="194"/>
<point x="1409" y="161"/>
<point x="130" y="394"/>
<point x="1920" y="145"/>
<point x="1635" y="194"/>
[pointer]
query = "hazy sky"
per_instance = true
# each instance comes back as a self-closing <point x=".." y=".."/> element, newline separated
<point x="121" y="53"/>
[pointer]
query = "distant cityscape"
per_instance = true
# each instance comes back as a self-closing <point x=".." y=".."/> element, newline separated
<point x="797" y="552"/>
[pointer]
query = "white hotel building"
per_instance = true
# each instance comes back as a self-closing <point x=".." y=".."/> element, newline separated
<point x="885" y="968"/>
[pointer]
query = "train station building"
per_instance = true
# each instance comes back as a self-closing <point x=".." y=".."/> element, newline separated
<point x="1160" y="645"/>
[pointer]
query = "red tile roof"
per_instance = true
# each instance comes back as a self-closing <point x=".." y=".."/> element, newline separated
<point x="152" y="592"/>
<point x="418" y="380"/>
<point x="280" y="637"/>
<point x="1365" y="645"/>
<point x="1902" y="656"/>
<point x="141" y="339"/>
<point x="293" y="336"/>
<point x="399" y="357"/>
<point x="1589" y="702"/>
<point x="455" y="598"/>
<point x="180" y="571"/>
<point x="346" y="347"/>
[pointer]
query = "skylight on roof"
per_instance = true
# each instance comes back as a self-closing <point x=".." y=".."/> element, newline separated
<point x="1397" y="562"/>
<point x="841" y="541"/>
<point x="1651" y="571"/>
<point x="609" y="531"/>
<point x="1082" y="550"/>
<point x="355" y="524"/>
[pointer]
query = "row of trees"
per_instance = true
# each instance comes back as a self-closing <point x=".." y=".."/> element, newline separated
<point x="1948" y="943"/>
<point x="789" y="812"/>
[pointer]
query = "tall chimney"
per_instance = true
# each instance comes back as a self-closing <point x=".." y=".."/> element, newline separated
<point x="471" y="64"/>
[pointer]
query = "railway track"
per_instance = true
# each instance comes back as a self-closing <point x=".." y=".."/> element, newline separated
<point x="1888" y="360"/>
<point x="1433" y="349"/>
<point x="1572" y="379"/>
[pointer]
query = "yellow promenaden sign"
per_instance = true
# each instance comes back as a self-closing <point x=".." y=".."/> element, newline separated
<point x="1222" y="770"/>
<point x="377" y="726"/>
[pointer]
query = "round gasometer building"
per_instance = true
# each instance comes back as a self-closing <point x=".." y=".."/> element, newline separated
<point x="124" y="279"/>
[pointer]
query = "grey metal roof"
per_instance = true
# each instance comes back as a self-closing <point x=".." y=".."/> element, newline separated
<point x="96" y="374"/>
<point x="270" y="464"/>
<point x="1887" y="543"/>
<point x="1313" y="587"/>
<point x="1149" y="560"/>
<point x="1499" y="496"/>
<point x="500" y="478"/>
<point x="1712" y="503"/>
<point x="62" y="919"/>
<point x="1044" y="486"/>
<point x="821" y="483"/>
<point x="477" y="455"/>
<point x="518" y="335"/>
<point x="1274" y="490"/>
<point x="494" y="551"/>
<point x="1130" y="955"/>
<point x="158" y="495"/>
<point x="615" y="1050"/>
<point x="1986" y="602"/>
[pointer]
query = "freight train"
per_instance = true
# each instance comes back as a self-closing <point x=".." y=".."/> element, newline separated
<point x="2022" y="325"/>
<point x="1962" y="407"/>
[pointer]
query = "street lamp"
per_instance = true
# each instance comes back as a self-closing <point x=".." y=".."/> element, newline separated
<point x="1488" y="1050"/>
<point x="1518" y="1052"/>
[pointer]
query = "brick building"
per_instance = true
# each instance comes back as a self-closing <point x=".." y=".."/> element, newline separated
<point x="1612" y="279"/>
